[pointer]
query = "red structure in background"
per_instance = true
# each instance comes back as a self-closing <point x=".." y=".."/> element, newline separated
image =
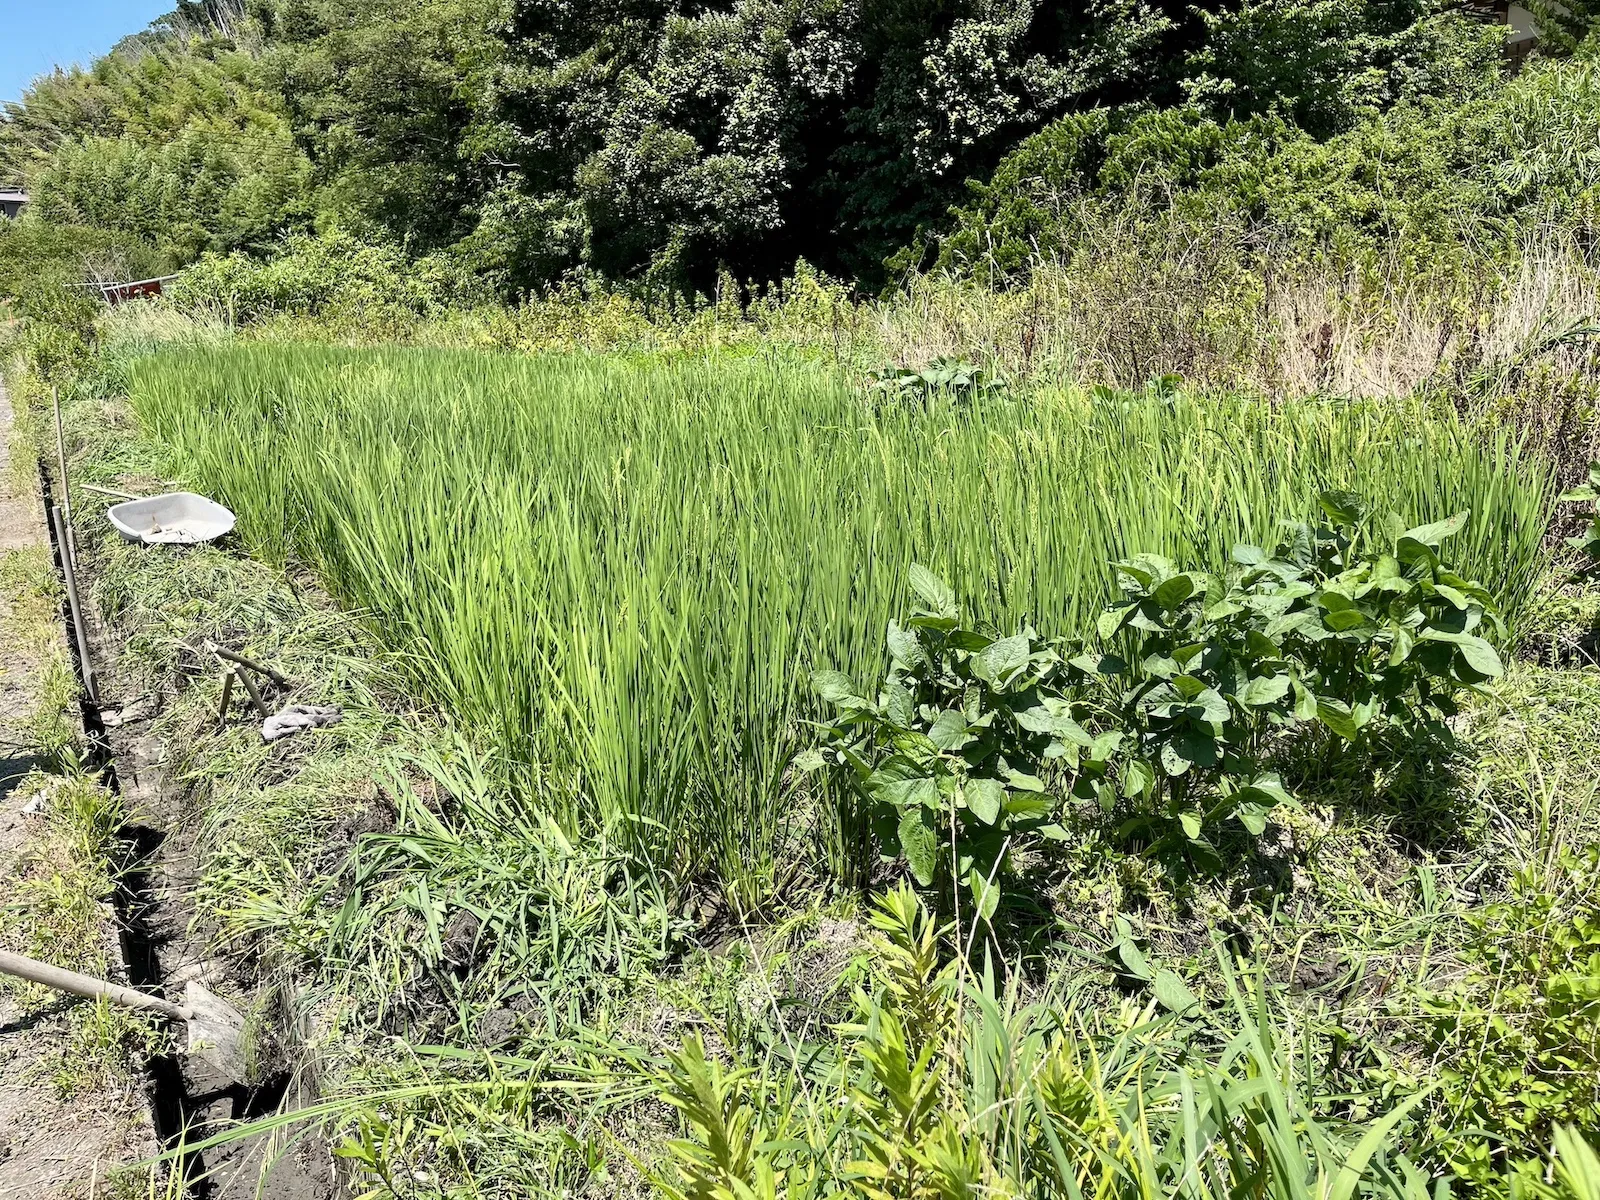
<point x="116" y="293"/>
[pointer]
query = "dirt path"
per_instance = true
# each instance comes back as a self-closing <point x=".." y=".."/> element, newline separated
<point x="63" y="1129"/>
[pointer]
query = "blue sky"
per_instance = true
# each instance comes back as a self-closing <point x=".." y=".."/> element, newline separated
<point x="35" y="35"/>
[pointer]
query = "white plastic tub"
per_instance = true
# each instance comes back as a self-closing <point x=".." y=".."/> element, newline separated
<point x="181" y="517"/>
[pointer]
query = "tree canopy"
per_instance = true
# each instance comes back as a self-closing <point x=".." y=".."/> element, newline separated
<point x="663" y="140"/>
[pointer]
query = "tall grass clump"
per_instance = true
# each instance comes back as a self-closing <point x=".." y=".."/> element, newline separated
<point x="620" y="571"/>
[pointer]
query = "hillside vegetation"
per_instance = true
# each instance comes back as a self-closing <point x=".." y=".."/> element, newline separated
<point x="530" y="142"/>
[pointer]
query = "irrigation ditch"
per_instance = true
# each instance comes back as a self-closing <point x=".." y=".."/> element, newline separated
<point x="189" y="1098"/>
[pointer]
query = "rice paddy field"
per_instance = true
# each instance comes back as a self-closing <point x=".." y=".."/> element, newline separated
<point x="620" y="574"/>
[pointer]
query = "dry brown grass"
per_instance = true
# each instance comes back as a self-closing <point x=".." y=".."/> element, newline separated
<point x="1225" y="314"/>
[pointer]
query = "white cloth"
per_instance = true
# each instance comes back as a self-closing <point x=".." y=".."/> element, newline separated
<point x="295" y="717"/>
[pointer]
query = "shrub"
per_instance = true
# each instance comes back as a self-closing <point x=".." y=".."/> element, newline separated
<point x="1430" y="174"/>
<point x="976" y="740"/>
<point x="335" y="275"/>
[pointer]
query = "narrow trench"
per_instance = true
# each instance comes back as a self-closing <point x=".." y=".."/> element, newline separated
<point x="171" y="1110"/>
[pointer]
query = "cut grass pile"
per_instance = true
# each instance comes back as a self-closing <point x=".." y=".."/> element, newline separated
<point x="620" y="572"/>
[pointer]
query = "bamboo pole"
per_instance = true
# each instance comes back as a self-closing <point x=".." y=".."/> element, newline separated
<point x="259" y="668"/>
<point x="105" y="491"/>
<point x="71" y="541"/>
<point x="78" y="627"/>
<point x="255" y="694"/>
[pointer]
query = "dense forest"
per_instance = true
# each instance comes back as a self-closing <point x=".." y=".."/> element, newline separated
<point x="531" y="142"/>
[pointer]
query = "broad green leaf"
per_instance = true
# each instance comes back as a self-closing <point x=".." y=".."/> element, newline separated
<point x="1345" y="620"/>
<point x="1478" y="654"/>
<point x="920" y="844"/>
<point x="1053" y="716"/>
<point x="1028" y="806"/>
<point x="920" y="792"/>
<point x="1173" y="762"/>
<point x="1105" y="745"/>
<point x="1000" y="659"/>
<point x="984" y="798"/>
<point x="1161" y="666"/>
<point x="904" y="648"/>
<point x="1402" y="643"/>
<point x="1267" y="789"/>
<point x="809" y="760"/>
<point x="1197" y="746"/>
<point x="1305" y="704"/>
<point x="1022" y="781"/>
<point x="935" y="593"/>
<point x="835" y="687"/>
<point x="1138" y="779"/>
<point x="1173" y="592"/>
<point x="1410" y="551"/>
<point x="1133" y="960"/>
<point x="1432" y="535"/>
<point x="1253" y="817"/>
<point x="969" y="639"/>
<point x="949" y="730"/>
<point x="1172" y="993"/>
<point x="1266" y="689"/>
<point x="1212" y="706"/>
<point x="1295" y="622"/>
<point x="1110" y="622"/>
<point x="1138" y="572"/>
<point x="1336" y="715"/>
<point x="1191" y="825"/>
<point x="1261" y="646"/>
<point x="985" y="894"/>
<point x="1247" y="555"/>
<point x="1342" y="507"/>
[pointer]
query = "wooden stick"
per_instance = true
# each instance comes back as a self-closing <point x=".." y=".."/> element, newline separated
<point x="61" y="454"/>
<point x="241" y="660"/>
<point x="105" y="491"/>
<point x="66" y="487"/>
<point x="255" y="694"/>
<point x="72" y="604"/>
<point x="86" y="985"/>
<point x="227" y="695"/>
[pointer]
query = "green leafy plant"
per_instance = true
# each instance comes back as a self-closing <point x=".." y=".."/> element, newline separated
<point x="1586" y="493"/>
<point x="951" y="1084"/>
<point x="961" y="747"/>
<point x="976" y="741"/>
<point x="1519" y="1035"/>
<point x="954" y="377"/>
<point x="1325" y="631"/>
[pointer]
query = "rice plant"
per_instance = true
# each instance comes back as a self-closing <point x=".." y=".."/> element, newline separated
<point x="619" y="572"/>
